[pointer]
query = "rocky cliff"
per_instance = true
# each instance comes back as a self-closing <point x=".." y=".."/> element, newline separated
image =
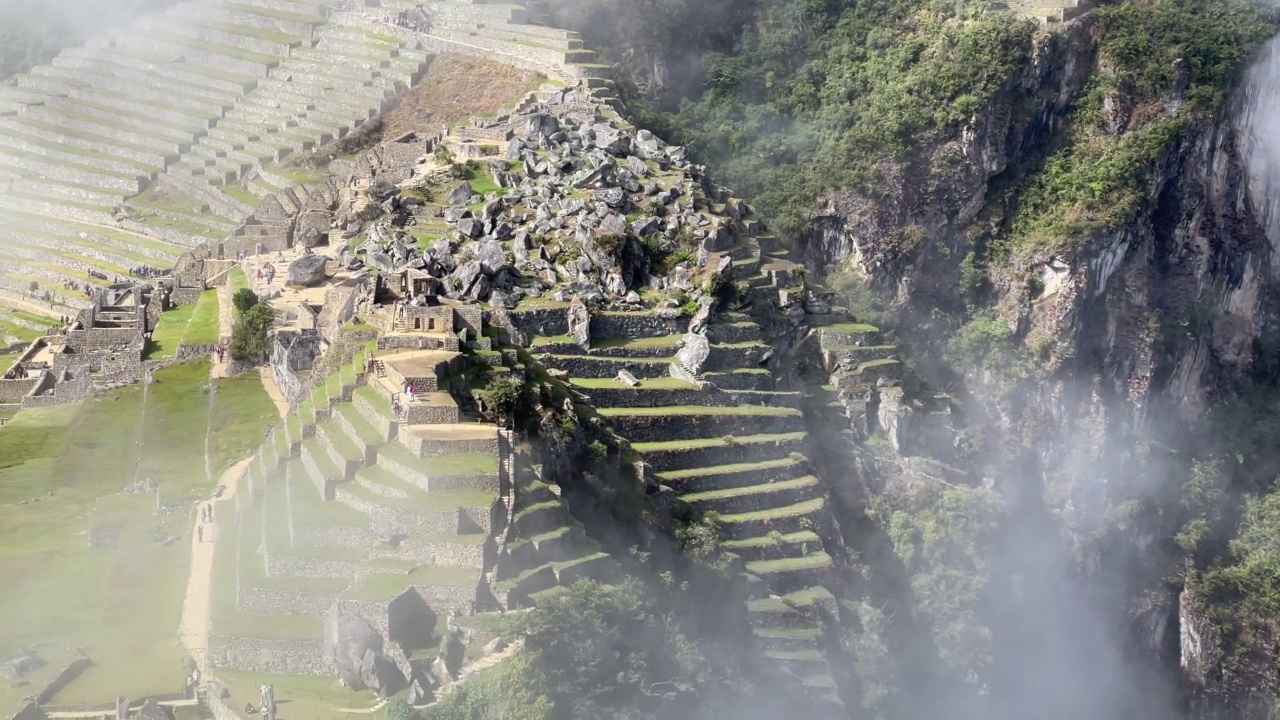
<point x="1092" y="363"/>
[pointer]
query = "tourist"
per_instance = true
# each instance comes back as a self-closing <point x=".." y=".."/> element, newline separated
<point x="199" y="533"/>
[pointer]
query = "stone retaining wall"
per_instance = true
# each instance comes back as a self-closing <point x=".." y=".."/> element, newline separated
<point x="276" y="601"/>
<point x="719" y="454"/>
<point x="587" y="366"/>
<point x="741" y="478"/>
<point x="635" y="325"/>
<point x="751" y="502"/>
<point x="657" y="428"/>
<point x="430" y="447"/>
<point x="12" y="391"/>
<point x="279" y="565"/>
<point x="418" y="414"/>
<point x="547" y="323"/>
<point x="287" y="657"/>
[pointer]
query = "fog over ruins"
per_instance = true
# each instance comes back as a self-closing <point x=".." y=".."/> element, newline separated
<point x="420" y="359"/>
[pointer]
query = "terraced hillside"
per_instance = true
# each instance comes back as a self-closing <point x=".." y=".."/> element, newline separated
<point x="124" y="152"/>
<point x="403" y="524"/>
<point x="731" y="445"/>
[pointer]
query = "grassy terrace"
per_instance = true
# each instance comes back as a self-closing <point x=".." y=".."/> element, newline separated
<point x="717" y="442"/>
<point x="379" y="588"/>
<point x="460" y="464"/>
<point x="311" y="510"/>
<point x="219" y="49"/>
<point x="647" y="342"/>
<point x="727" y="469"/>
<point x="791" y="601"/>
<point x="801" y="508"/>
<point x="662" y="383"/>
<point x="779" y="486"/>
<point x="804" y="536"/>
<point x="365" y="432"/>
<point x="242" y="412"/>
<point x="227" y="619"/>
<point x="56" y="146"/>
<point x="701" y="410"/>
<point x="202" y="327"/>
<point x="813" y="561"/>
<point x="416" y="498"/>
<point x="376" y="400"/>
<point x="851" y="327"/>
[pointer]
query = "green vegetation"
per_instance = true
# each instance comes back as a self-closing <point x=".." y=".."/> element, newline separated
<point x="120" y="601"/>
<point x="168" y="332"/>
<point x="1097" y="178"/>
<point x="202" y="329"/>
<point x="249" y="334"/>
<point x="241" y="412"/>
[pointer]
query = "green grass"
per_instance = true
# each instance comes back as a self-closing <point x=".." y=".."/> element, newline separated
<point x="203" y="327"/>
<point x="812" y="561"/>
<point x="725" y="469"/>
<point x="802" y="508"/>
<point x="301" y="697"/>
<point x="311" y="510"/>
<point x="443" y="465"/>
<point x="804" y="536"/>
<point x="237" y="278"/>
<point x="236" y="192"/>
<point x="377" y="588"/>
<point x="661" y="383"/>
<point x="175" y="424"/>
<point x="801" y="482"/>
<point x="790" y="601"/>
<point x="416" y="498"/>
<point x="851" y="327"/>
<point x="241" y="414"/>
<point x="227" y="619"/>
<point x="121" y="604"/>
<point x="717" y="442"/>
<point x="168" y="333"/>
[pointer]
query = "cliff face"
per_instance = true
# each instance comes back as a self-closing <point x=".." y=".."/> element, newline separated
<point x="1127" y="341"/>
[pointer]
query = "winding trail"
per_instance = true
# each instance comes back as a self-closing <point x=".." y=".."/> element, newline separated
<point x="194" y="629"/>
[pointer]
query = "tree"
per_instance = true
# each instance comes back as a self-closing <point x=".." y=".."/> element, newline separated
<point x="398" y="709"/>
<point x="243" y="300"/>
<point x="504" y="395"/>
<point x="249" y="336"/>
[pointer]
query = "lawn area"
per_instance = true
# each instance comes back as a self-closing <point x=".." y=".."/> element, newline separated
<point x="300" y="697"/>
<point x="169" y="331"/>
<point x="175" y="425"/>
<point x="203" y="328"/>
<point x="238" y="280"/>
<point x="120" y="602"/>
<point x="659" y="383"/>
<point x="241" y="414"/>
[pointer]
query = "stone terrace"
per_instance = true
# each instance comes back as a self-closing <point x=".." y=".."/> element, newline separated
<point x="730" y="443"/>
<point x="348" y="504"/>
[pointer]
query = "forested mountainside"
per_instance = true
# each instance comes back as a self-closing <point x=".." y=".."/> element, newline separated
<point x="1068" y="228"/>
<point x="33" y="31"/>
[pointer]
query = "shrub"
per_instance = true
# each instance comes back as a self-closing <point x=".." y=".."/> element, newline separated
<point x="598" y="450"/>
<point x="243" y="300"/>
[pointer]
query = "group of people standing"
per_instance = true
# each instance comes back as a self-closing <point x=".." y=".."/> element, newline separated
<point x="206" y="517"/>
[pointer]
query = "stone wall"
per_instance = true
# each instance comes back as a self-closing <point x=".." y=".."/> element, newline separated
<point x="219" y="709"/>
<point x="418" y="414"/>
<point x="12" y="391"/>
<point x="287" y="657"/>
<point x="63" y="679"/>
<point x="278" y="601"/>
<point x="635" y="325"/>
<point x="290" y="353"/>
<point x="428" y="447"/>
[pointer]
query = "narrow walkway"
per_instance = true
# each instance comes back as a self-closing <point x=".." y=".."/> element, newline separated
<point x="226" y="320"/>
<point x="273" y="390"/>
<point x="195" y="609"/>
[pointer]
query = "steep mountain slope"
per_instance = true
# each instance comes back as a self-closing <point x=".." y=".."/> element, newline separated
<point x="1069" y="227"/>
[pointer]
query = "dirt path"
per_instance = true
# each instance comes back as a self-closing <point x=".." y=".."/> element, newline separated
<point x="273" y="391"/>
<point x="225" y="321"/>
<point x="195" y="609"/>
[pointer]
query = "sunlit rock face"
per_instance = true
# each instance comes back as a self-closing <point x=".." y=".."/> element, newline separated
<point x="1258" y="130"/>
